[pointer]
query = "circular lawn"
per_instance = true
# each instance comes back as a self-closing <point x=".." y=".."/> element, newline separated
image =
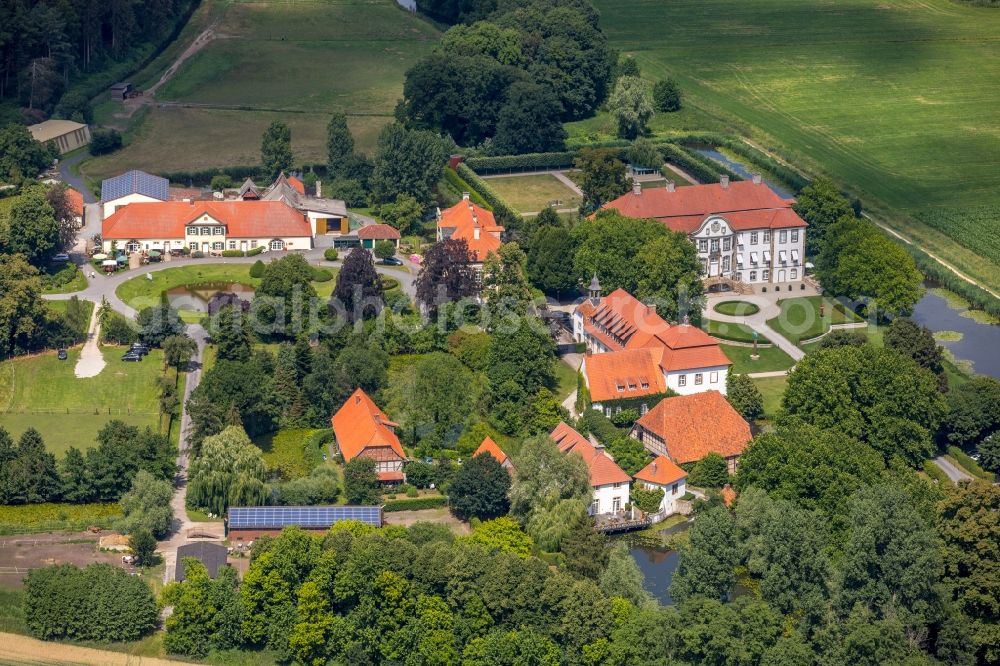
<point x="736" y="308"/>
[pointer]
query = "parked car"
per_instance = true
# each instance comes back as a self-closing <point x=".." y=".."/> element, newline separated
<point x="62" y="355"/>
<point x="391" y="261"/>
<point x="60" y="258"/>
<point x="131" y="357"/>
<point x="138" y="348"/>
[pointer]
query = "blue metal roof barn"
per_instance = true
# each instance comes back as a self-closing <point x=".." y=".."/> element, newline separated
<point x="135" y="182"/>
<point x="307" y="517"/>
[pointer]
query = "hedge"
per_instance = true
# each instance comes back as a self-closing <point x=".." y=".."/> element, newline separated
<point x="970" y="465"/>
<point x="460" y="186"/>
<point x="321" y="274"/>
<point x="501" y="209"/>
<point x="526" y="162"/>
<point x="415" y="504"/>
<point x="330" y="254"/>
<point x="702" y="168"/>
<point x="254" y="252"/>
<point x="233" y="253"/>
<point x="977" y="297"/>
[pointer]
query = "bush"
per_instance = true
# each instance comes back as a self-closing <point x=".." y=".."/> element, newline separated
<point x="625" y="418"/>
<point x="352" y="192"/>
<point x="117" y="330"/>
<point x="197" y="254"/>
<point x="455" y="182"/>
<point x="233" y="253"/>
<point x="667" y="96"/>
<point x="712" y="471"/>
<point x="384" y="249"/>
<point x="647" y="500"/>
<point x="388" y="283"/>
<point x="104" y="141"/>
<point x="321" y="274"/>
<point x="330" y="254"/>
<point x="254" y="252"/>
<point x="257" y="270"/>
<point x="936" y="473"/>
<point x="415" y="504"/>
<point x="220" y="182"/>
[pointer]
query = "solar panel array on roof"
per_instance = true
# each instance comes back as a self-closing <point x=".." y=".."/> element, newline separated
<point x="135" y="182"/>
<point x="265" y="517"/>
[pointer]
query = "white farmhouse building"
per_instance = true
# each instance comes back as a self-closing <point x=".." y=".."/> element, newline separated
<point x="611" y="485"/>
<point x="632" y="353"/>
<point x="132" y="187"/>
<point x="663" y="474"/>
<point x="744" y="231"/>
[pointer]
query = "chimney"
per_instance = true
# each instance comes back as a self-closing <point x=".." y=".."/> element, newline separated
<point x="357" y="399"/>
<point x="475" y="234"/>
<point x="319" y="189"/>
<point x="636" y="188"/>
<point x="651" y="307"/>
<point x="687" y="320"/>
<point x="465" y="196"/>
<point x="671" y="186"/>
<point x="724" y="181"/>
<point x="757" y="179"/>
<point x="654" y="467"/>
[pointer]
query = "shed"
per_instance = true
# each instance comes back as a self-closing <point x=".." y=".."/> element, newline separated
<point x="375" y="232"/>
<point x="63" y="135"/>
<point x="212" y="555"/>
<point x="246" y="523"/>
<point x="120" y="90"/>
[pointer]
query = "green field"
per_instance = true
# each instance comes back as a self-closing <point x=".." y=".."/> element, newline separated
<point x="296" y="61"/>
<point x="725" y="330"/>
<point x="530" y="194"/>
<point x="772" y="389"/>
<point x="895" y="99"/>
<point x="287" y="454"/>
<point x="141" y="292"/>
<point x="42" y="392"/>
<point x="736" y="308"/>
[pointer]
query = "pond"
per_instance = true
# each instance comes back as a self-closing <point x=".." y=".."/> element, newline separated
<point x="195" y="297"/>
<point x="738" y="168"/>
<point x="979" y="341"/>
<point x="655" y="560"/>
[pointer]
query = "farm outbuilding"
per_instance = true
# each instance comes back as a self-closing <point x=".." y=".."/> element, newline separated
<point x="212" y="555"/>
<point x="246" y="523"/>
<point x="120" y="91"/>
<point x="63" y="135"/>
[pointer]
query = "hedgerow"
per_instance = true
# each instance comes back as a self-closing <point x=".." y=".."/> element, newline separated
<point x="415" y="504"/>
<point x="501" y="209"/>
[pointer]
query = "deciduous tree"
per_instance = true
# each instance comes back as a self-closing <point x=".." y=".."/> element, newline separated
<point x="22" y="312"/>
<point x="276" y="149"/>
<point x="667" y="95"/>
<point x="146" y="506"/>
<point x="32" y="228"/>
<point x="479" y="489"/>
<point x="505" y="287"/>
<point x="917" y="342"/>
<point x="361" y="481"/>
<point x="446" y="274"/>
<point x="744" y="396"/>
<point x="631" y="106"/>
<point x="229" y="471"/>
<point x="406" y="161"/>
<point x="339" y="143"/>
<point x="820" y="204"/>
<point x="604" y="177"/>
<point x="712" y="471"/>
<point x="608" y="246"/>
<point x="358" y="288"/>
<point x="529" y="121"/>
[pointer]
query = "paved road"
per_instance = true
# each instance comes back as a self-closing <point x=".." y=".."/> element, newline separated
<point x="769" y="309"/>
<point x="73" y="180"/>
<point x="953" y="472"/>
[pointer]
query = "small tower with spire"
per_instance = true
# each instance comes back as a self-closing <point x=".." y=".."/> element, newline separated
<point x="594" y="290"/>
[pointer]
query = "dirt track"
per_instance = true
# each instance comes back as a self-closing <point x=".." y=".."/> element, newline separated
<point x="18" y="650"/>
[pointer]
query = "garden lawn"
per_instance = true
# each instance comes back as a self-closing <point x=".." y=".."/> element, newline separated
<point x="771" y="359"/>
<point x="772" y="389"/>
<point x="530" y="194"/>
<point x="289" y="454"/>
<point x="141" y="292"/>
<point x="894" y="98"/>
<point x="725" y="330"/>
<point x="42" y="392"/>
<point x="566" y="377"/>
<point x="800" y="317"/>
<point x="736" y="308"/>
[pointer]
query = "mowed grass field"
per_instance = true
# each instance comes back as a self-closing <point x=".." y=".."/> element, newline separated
<point x="42" y="392"/>
<point x="296" y="61"/>
<point x="530" y="194"/>
<point x="895" y="99"/>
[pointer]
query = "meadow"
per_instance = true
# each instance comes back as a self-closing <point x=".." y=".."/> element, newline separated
<point x="530" y="194"/>
<point x="41" y="391"/>
<point x="294" y="61"/>
<point x="895" y="99"/>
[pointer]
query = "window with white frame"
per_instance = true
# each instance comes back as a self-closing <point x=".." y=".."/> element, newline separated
<point x="783" y="237"/>
<point x="713" y="378"/>
<point x="219" y="231"/>
<point x="702" y="245"/>
<point x="753" y="276"/>
<point x="254" y="244"/>
<point x="193" y="245"/>
<point x="277" y="244"/>
<point x="682" y="380"/>
<point x="726" y="263"/>
<point x="793" y="274"/>
<point x="727" y="244"/>
<point x="699" y="379"/>
<point x="232" y="245"/>
<point x="753" y="238"/>
<point x="218" y="245"/>
<point x="132" y="246"/>
<point x="795" y="235"/>
<point x="595" y="506"/>
<point x="206" y="231"/>
<point x="715" y="245"/>
<point x="767" y="236"/>
<point x="767" y="275"/>
<point x="192" y="231"/>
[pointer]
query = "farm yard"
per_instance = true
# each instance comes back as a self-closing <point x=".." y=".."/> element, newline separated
<point x="42" y="392"/>
<point x="270" y="60"/>
<point x="894" y="99"/>
<point x="532" y="193"/>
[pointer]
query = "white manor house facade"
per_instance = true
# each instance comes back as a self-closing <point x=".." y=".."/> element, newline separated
<point x="744" y="231"/>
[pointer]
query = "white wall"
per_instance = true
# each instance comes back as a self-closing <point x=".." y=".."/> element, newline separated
<point x="668" y="505"/>
<point x="713" y="379"/>
<point x="111" y="206"/>
<point x="717" y="229"/>
<point x="291" y="243"/>
<point x="605" y="496"/>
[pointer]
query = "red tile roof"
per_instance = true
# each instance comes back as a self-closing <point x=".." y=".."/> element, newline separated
<point x="491" y="447"/>
<point x="603" y="470"/>
<point x="75" y="201"/>
<point x="296" y="184"/>
<point x="243" y="219"/>
<point x="378" y="232"/>
<point x="662" y="471"/>
<point x="728" y="495"/>
<point x="637" y="371"/>
<point x="692" y="426"/>
<point x="466" y="218"/>
<point x="699" y="200"/>
<point x="189" y="194"/>
<point x="359" y="425"/>
<point x="771" y="218"/>
<point x="391" y="476"/>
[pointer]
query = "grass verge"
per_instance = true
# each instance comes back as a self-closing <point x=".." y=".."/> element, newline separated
<point x="770" y="359"/>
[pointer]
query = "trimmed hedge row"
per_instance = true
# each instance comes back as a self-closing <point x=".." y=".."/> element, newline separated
<point x="700" y="167"/>
<point x="415" y="504"/>
<point x="526" y="162"/>
<point x="936" y="473"/>
<point x="970" y="465"/>
<point x="501" y="208"/>
<point x="978" y="298"/>
<point x="455" y="181"/>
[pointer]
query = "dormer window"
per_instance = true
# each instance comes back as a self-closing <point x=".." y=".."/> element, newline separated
<point x="620" y="387"/>
<point x="645" y="385"/>
<point x="631" y="387"/>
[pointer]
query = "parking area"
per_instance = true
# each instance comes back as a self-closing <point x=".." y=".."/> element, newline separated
<point x="21" y="553"/>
